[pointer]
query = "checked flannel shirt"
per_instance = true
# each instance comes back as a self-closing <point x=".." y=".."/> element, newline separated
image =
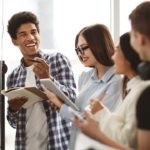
<point x="59" y="129"/>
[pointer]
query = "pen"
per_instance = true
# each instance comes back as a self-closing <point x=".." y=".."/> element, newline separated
<point x="33" y="60"/>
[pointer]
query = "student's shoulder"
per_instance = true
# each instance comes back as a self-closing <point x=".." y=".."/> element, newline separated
<point x="51" y="54"/>
<point x="14" y="72"/>
<point x="87" y="72"/>
<point x="16" y="69"/>
<point x="143" y="109"/>
<point x="145" y="94"/>
<point x="112" y="76"/>
<point x="86" y="75"/>
<point x="117" y="78"/>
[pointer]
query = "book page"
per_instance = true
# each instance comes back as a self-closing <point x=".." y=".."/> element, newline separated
<point x="32" y="93"/>
<point x="37" y="92"/>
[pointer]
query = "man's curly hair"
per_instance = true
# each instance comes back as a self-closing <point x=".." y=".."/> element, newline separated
<point x="21" y="18"/>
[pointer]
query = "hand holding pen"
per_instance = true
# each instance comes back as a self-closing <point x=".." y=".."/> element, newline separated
<point x="41" y="68"/>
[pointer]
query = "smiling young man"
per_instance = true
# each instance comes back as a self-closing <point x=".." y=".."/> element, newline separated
<point x="140" y="40"/>
<point x="39" y="127"/>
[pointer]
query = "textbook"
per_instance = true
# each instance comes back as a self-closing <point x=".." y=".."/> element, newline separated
<point x="76" y="113"/>
<point x="32" y="93"/>
<point x="50" y="85"/>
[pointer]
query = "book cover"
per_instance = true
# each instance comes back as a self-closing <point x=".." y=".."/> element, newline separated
<point x="50" y="85"/>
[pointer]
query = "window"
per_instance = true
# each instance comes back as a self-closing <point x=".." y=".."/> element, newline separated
<point x="60" y="21"/>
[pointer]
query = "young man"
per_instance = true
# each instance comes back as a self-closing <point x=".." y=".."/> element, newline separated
<point x="39" y="127"/>
<point x="140" y="40"/>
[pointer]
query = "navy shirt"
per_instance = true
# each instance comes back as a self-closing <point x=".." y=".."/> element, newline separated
<point x="143" y="110"/>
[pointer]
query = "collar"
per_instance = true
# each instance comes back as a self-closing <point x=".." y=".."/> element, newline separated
<point x="106" y="77"/>
<point x="22" y="59"/>
<point x="133" y="82"/>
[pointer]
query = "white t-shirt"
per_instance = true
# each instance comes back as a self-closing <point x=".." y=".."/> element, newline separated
<point x="36" y="126"/>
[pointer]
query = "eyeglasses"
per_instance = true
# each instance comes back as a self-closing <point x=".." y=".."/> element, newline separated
<point x="81" y="49"/>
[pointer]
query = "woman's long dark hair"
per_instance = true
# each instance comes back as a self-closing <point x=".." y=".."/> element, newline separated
<point x="131" y="55"/>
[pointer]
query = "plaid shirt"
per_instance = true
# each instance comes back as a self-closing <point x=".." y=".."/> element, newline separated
<point x="59" y="129"/>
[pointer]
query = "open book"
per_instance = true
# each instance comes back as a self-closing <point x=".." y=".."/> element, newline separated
<point x="50" y="85"/>
<point x="32" y="93"/>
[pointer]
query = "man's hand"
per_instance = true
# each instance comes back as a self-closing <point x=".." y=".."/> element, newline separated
<point x="16" y="103"/>
<point x="41" y="68"/>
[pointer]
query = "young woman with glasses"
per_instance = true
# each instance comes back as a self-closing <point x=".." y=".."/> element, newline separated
<point x="94" y="47"/>
<point x="117" y="129"/>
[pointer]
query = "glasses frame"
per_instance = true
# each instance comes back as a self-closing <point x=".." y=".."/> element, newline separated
<point x="81" y="49"/>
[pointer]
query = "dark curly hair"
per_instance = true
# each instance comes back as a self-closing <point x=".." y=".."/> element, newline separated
<point x="21" y="18"/>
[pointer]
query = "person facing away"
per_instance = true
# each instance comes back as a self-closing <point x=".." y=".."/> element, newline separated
<point x="94" y="47"/>
<point x="140" y="40"/>
<point x="39" y="127"/>
<point x="118" y="127"/>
